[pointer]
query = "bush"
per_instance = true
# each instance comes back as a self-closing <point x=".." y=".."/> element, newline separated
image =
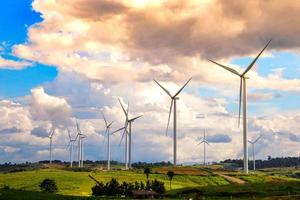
<point x="158" y="186"/>
<point x="48" y="185"/>
<point x="113" y="188"/>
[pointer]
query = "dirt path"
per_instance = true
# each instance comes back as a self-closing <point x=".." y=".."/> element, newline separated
<point x="232" y="179"/>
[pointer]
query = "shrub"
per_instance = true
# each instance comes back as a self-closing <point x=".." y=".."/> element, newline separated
<point x="112" y="187"/>
<point x="158" y="186"/>
<point x="48" y="185"/>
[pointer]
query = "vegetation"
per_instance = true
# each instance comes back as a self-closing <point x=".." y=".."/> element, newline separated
<point x="147" y="171"/>
<point x="48" y="185"/>
<point x="170" y="175"/>
<point x="269" y="163"/>
<point x="114" y="188"/>
<point x="189" y="182"/>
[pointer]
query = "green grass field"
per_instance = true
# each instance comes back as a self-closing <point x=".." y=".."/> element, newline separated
<point x="261" y="184"/>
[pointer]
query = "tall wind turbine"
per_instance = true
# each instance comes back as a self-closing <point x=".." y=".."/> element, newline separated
<point x="204" y="141"/>
<point x="50" y="143"/>
<point x="253" y="150"/>
<point x="127" y="132"/>
<point x="71" y="147"/>
<point x="174" y="98"/>
<point x="80" y="137"/>
<point x="107" y="134"/>
<point x="243" y="95"/>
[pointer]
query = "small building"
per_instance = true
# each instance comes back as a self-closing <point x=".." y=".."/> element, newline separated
<point x="143" y="194"/>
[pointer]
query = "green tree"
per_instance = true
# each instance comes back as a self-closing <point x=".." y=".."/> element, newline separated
<point x="147" y="171"/>
<point x="48" y="185"/>
<point x="170" y="175"/>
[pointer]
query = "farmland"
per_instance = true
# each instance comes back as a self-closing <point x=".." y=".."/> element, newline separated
<point x="213" y="182"/>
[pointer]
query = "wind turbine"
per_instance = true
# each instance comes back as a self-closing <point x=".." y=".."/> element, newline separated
<point x="204" y="141"/>
<point x="80" y="137"/>
<point x="253" y="150"/>
<point x="174" y="98"/>
<point x="107" y="132"/>
<point x="127" y="133"/>
<point x="71" y="147"/>
<point x="50" y="144"/>
<point x="243" y="93"/>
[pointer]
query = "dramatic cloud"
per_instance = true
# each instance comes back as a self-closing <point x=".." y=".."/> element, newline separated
<point x="115" y="41"/>
<point x="45" y="107"/>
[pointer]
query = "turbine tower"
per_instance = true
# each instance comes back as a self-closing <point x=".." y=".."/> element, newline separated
<point x="243" y="95"/>
<point x="71" y="147"/>
<point x="107" y="134"/>
<point x="253" y="150"/>
<point x="50" y="143"/>
<point x="204" y="141"/>
<point x="80" y="137"/>
<point x="174" y="98"/>
<point x="127" y="132"/>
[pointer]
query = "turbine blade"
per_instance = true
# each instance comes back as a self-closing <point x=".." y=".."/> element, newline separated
<point x="240" y="101"/>
<point x="68" y="146"/>
<point x="207" y="142"/>
<point x="182" y="87"/>
<point x="69" y="134"/>
<point x="117" y="130"/>
<point x="122" y="137"/>
<point x="77" y="126"/>
<point x="135" y="118"/>
<point x="225" y="67"/>
<point x="201" y="142"/>
<point x="257" y="139"/>
<point x="104" y="119"/>
<point x="252" y="63"/>
<point x="123" y="108"/>
<point x="163" y="88"/>
<point x="110" y="124"/>
<point x="169" y="116"/>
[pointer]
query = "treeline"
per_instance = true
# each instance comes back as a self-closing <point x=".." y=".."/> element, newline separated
<point x="142" y="165"/>
<point x="269" y="163"/>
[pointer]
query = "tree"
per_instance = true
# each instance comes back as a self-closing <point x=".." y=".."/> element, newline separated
<point x="170" y="175"/>
<point x="48" y="185"/>
<point x="147" y="171"/>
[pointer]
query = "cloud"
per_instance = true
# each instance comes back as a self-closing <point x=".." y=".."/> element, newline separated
<point x="40" y="132"/>
<point x="218" y="138"/>
<point x="10" y="130"/>
<point x="11" y="64"/>
<point x="115" y="41"/>
<point x="46" y="107"/>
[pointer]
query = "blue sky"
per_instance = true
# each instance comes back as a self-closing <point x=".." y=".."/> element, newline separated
<point x="16" y="17"/>
<point x="81" y="63"/>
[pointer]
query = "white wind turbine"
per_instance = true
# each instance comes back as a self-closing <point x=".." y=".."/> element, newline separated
<point x="253" y="149"/>
<point x="127" y="133"/>
<point x="204" y="141"/>
<point x="80" y="137"/>
<point x="71" y="147"/>
<point x="107" y="134"/>
<point x="243" y="95"/>
<point x="50" y="136"/>
<point x="174" y="98"/>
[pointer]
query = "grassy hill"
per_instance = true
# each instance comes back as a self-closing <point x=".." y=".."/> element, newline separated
<point x="213" y="181"/>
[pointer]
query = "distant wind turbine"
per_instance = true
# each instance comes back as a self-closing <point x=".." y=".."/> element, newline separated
<point x="243" y="92"/>
<point x="107" y="134"/>
<point x="174" y="98"/>
<point x="127" y="133"/>
<point x="204" y="141"/>
<point x="50" y="144"/>
<point x="80" y="137"/>
<point x="253" y="149"/>
<point x="71" y="147"/>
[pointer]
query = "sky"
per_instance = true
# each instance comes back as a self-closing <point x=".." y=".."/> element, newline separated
<point x="63" y="61"/>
